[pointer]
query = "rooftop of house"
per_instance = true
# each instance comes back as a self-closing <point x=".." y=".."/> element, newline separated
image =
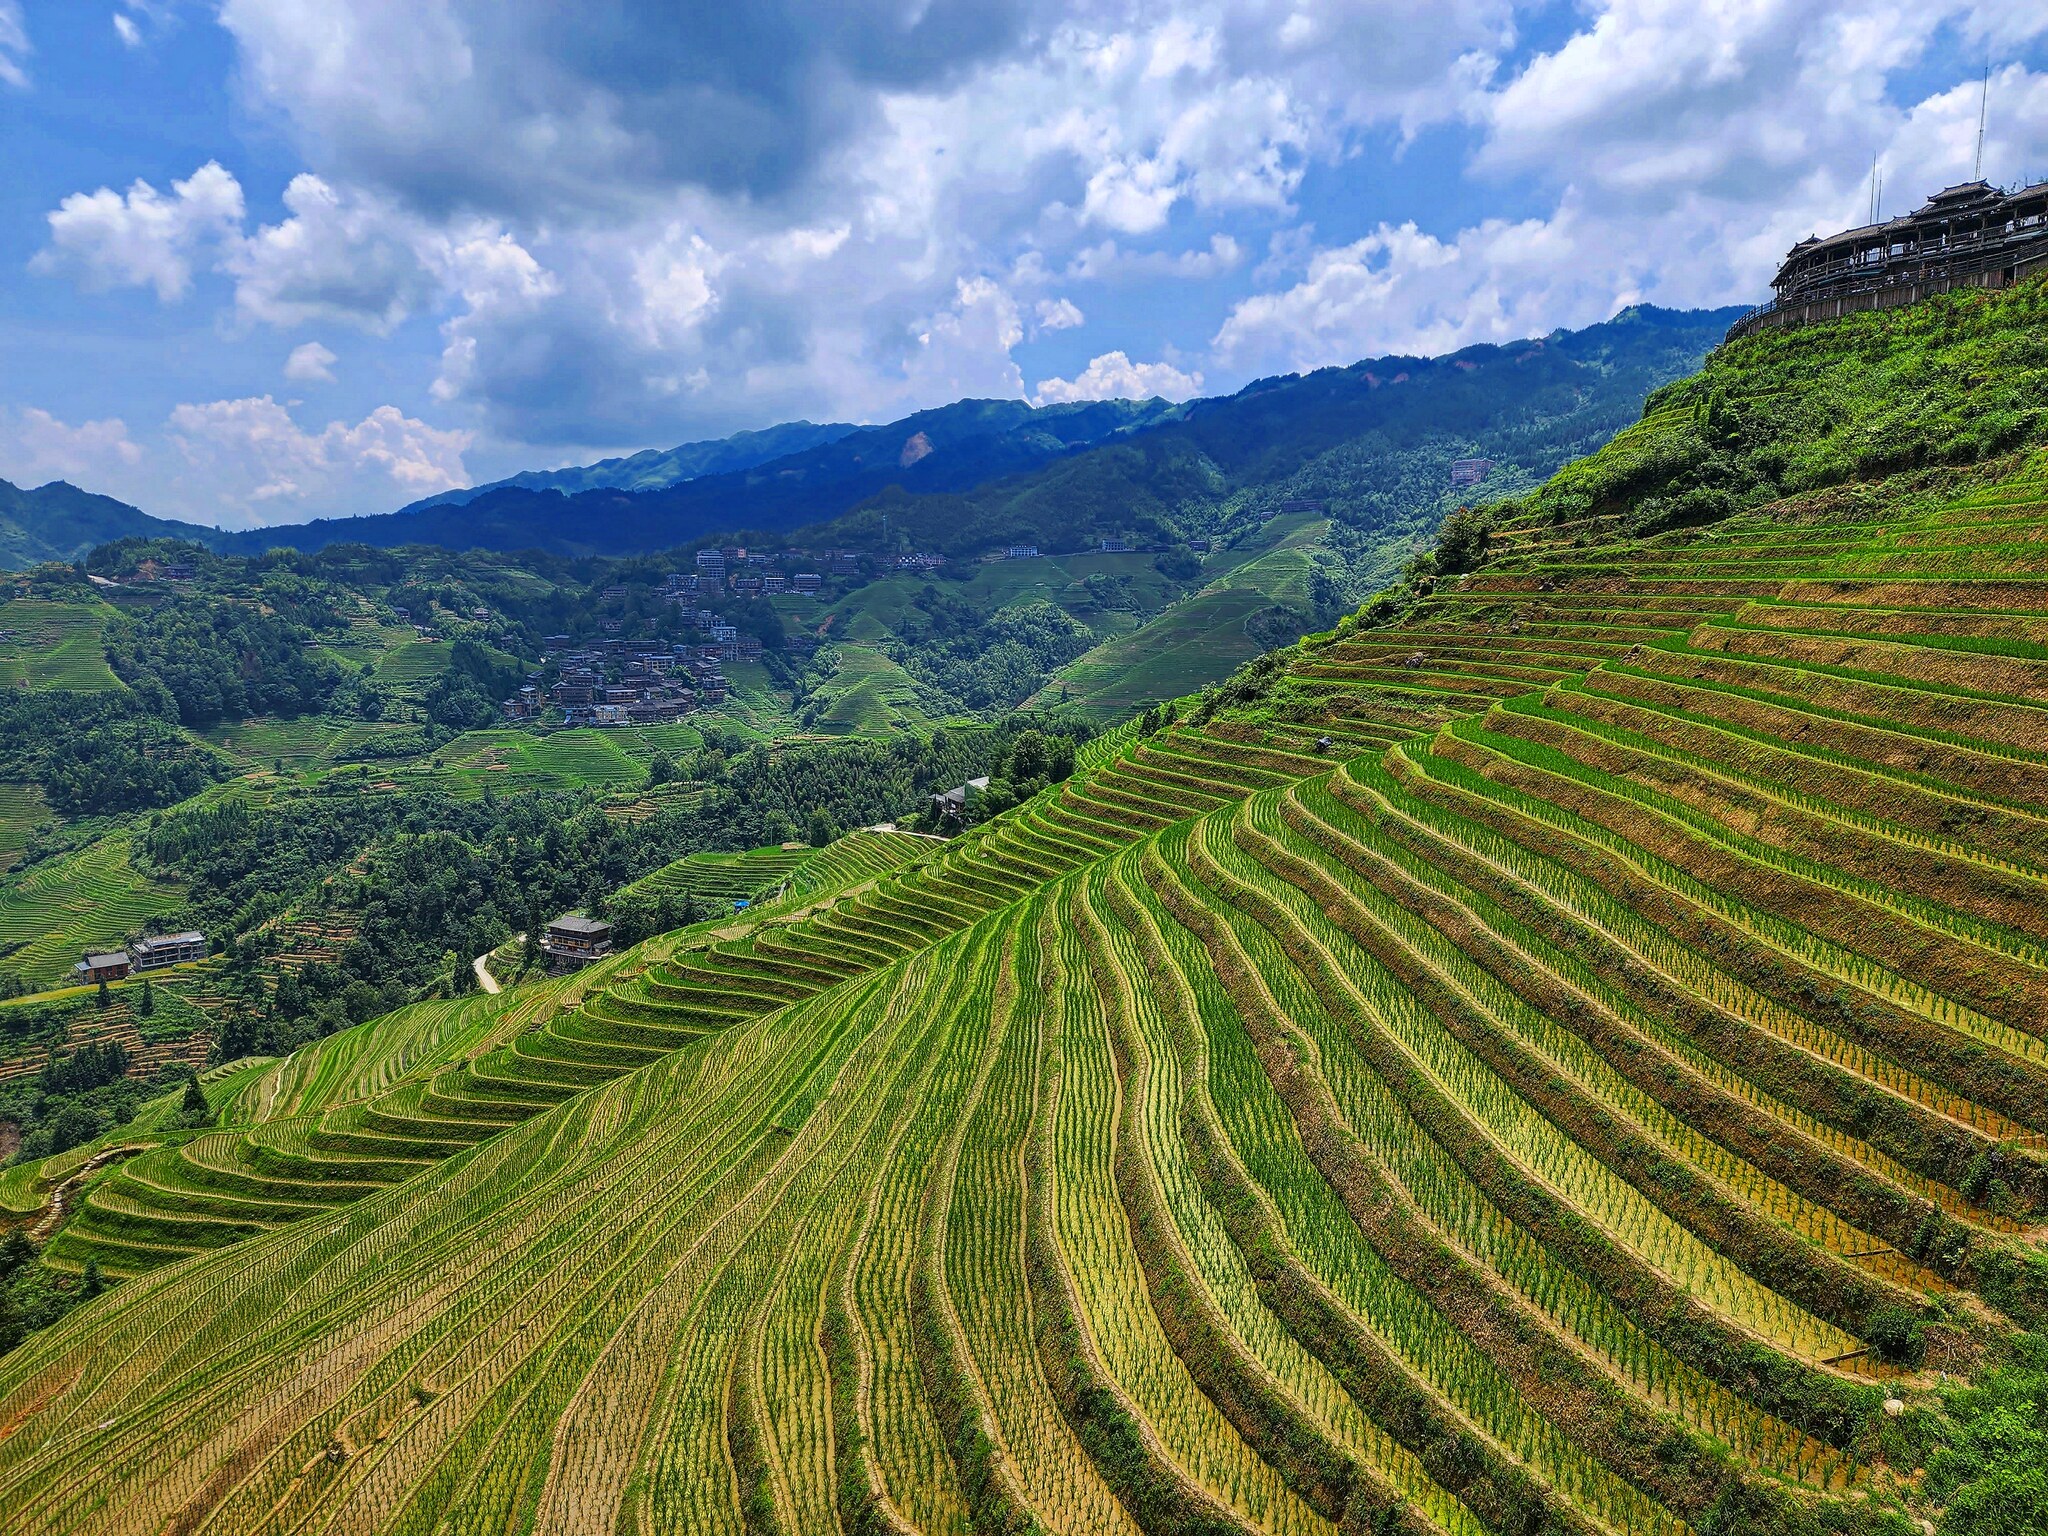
<point x="958" y="793"/>
<point x="576" y="922"/>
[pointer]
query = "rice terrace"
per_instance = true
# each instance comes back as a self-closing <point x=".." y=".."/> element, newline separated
<point x="1296" y="865"/>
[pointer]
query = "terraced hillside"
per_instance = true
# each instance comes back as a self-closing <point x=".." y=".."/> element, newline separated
<point x="1573" y="1099"/>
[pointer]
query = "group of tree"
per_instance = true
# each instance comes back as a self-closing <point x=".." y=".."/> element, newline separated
<point x="984" y="661"/>
<point x="422" y="876"/>
<point x="203" y="659"/>
<point x="98" y="753"/>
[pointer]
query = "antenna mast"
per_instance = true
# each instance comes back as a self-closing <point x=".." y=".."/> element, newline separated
<point x="1983" y="110"/>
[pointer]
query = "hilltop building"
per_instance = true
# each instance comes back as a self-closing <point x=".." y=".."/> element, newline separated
<point x="574" y="940"/>
<point x="1968" y="236"/>
<point x="112" y="965"/>
<point x="160" y="950"/>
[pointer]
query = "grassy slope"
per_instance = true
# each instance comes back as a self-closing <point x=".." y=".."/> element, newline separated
<point x="1201" y="638"/>
<point x="55" y="645"/>
<point x="1525" y="1114"/>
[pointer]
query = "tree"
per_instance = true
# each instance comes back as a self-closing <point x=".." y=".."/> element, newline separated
<point x="193" y="1110"/>
<point x="90" y="1284"/>
<point x="105" y="1000"/>
<point x="820" y="830"/>
<point x="662" y="770"/>
<point x="145" y="1005"/>
<point x="16" y="1252"/>
<point x="1461" y="546"/>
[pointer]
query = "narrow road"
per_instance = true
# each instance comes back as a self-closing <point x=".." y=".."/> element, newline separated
<point x="484" y="978"/>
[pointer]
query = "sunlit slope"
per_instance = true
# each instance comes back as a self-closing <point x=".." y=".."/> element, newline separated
<point x="1553" y="1108"/>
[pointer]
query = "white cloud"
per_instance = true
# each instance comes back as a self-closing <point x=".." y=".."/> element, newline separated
<point x="14" y="45"/>
<point x="964" y="350"/>
<point x="126" y="29"/>
<point x="1402" y="290"/>
<point x="257" y="465"/>
<point x="1059" y="315"/>
<point x="344" y="257"/>
<point x="1113" y="376"/>
<point x="143" y="238"/>
<point x="35" y="448"/>
<point x="310" y="363"/>
<point x="1109" y="260"/>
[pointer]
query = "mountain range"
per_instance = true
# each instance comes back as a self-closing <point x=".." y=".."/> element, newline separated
<point x="979" y="474"/>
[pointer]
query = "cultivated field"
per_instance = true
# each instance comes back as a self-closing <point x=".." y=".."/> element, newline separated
<point x="1572" y="1100"/>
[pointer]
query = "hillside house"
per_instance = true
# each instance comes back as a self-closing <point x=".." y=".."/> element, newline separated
<point x="951" y="804"/>
<point x="1116" y="546"/>
<point x="162" y="949"/>
<point x="1466" y="472"/>
<point x="574" y="940"/>
<point x="112" y="965"/>
<point x="807" y="581"/>
<point x="1021" y="552"/>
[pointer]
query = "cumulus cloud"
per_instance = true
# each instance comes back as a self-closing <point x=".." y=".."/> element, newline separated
<point x="310" y="363"/>
<point x="1113" y="376"/>
<point x="527" y="104"/>
<point x="142" y="238"/>
<point x="14" y="45"/>
<point x="262" y="467"/>
<point x="36" y="447"/>
<point x="1059" y="315"/>
<point x="738" y="218"/>
<point x="346" y="257"/>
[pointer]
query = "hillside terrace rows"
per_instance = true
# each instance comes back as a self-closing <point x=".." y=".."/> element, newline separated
<point x="1528" y="1123"/>
<point x="324" y="1134"/>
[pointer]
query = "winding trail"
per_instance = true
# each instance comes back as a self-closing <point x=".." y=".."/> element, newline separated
<point x="484" y="978"/>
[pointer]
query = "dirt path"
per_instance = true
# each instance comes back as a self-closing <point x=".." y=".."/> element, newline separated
<point x="484" y="978"/>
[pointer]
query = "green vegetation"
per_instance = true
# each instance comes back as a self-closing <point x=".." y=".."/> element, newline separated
<point x="47" y="644"/>
<point x="1560" y="1052"/>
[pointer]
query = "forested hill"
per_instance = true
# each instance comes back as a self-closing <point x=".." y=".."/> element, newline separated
<point x="60" y="522"/>
<point x="1372" y="442"/>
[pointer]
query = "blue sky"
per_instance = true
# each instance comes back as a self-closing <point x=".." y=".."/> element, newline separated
<point x="267" y="260"/>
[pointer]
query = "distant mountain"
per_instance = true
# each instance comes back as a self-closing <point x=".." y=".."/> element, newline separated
<point x="950" y="448"/>
<point x="1373" y="440"/>
<point x="58" y="521"/>
<point x="1371" y="444"/>
<point x="656" y="469"/>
